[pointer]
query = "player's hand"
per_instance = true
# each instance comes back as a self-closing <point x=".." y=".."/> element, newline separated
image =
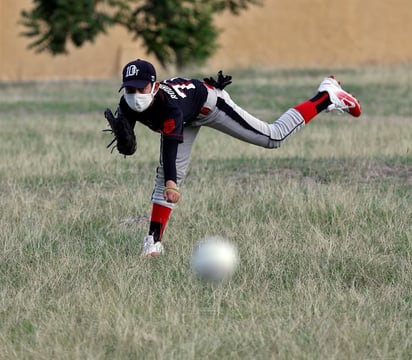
<point x="171" y="192"/>
<point x="221" y="82"/>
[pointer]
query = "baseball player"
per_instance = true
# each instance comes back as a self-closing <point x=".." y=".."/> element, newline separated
<point x="178" y="107"/>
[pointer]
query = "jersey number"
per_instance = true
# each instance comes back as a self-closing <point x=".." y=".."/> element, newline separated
<point x="179" y="87"/>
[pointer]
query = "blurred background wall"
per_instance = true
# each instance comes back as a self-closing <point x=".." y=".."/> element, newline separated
<point x="292" y="34"/>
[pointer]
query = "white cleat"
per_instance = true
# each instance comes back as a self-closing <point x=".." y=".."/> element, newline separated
<point x="341" y="100"/>
<point x="151" y="248"/>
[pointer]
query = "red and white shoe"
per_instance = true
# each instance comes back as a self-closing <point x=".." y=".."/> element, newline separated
<point x="341" y="100"/>
<point x="151" y="248"/>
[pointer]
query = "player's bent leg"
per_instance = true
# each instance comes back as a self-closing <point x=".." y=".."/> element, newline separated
<point x="161" y="209"/>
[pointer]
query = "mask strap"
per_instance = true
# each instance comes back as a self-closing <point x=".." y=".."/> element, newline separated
<point x="153" y="87"/>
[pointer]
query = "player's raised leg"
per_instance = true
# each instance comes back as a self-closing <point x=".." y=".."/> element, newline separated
<point x="231" y="119"/>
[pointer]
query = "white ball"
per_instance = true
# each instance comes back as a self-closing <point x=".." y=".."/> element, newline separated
<point x="214" y="259"/>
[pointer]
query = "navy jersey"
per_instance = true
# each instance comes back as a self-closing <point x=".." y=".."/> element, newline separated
<point x="178" y="102"/>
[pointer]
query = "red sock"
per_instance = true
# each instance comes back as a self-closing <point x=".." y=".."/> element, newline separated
<point x="158" y="221"/>
<point x="310" y="108"/>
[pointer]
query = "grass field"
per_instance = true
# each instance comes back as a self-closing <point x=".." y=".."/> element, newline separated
<point x="323" y="226"/>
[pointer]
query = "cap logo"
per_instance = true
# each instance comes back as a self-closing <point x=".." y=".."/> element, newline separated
<point x="132" y="70"/>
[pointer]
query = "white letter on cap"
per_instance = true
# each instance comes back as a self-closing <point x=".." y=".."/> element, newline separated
<point x="131" y="70"/>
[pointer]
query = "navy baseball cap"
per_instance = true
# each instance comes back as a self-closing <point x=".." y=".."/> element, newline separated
<point x="138" y="73"/>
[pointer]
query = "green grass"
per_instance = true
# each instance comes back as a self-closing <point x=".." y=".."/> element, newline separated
<point x="323" y="226"/>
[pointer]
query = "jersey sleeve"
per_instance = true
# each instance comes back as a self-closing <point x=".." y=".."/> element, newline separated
<point x="172" y="135"/>
<point x="172" y="125"/>
<point x="169" y="153"/>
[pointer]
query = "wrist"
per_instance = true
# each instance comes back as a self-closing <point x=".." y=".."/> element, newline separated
<point x="170" y="185"/>
<point x="174" y="188"/>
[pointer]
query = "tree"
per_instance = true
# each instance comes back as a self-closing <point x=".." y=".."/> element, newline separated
<point x="175" y="31"/>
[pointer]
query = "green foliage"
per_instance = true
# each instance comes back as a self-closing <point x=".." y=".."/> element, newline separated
<point x="175" y="36"/>
<point x="55" y="22"/>
<point x="175" y="31"/>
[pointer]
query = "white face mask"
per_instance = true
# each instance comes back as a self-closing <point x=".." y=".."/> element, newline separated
<point x="139" y="102"/>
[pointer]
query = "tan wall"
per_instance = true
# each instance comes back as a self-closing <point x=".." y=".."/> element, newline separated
<point x="296" y="33"/>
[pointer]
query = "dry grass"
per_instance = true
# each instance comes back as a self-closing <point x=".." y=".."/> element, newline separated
<point x="323" y="226"/>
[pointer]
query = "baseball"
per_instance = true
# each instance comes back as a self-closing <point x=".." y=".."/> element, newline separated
<point x="214" y="259"/>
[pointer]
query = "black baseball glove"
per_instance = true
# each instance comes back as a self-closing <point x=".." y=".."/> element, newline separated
<point x="221" y="82"/>
<point x="122" y="131"/>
